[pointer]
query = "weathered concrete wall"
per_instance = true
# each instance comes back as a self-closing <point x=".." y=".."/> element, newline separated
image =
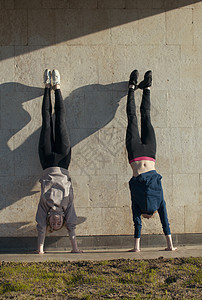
<point x="95" y="44"/>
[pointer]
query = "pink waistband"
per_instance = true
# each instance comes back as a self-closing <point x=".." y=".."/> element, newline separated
<point x="142" y="158"/>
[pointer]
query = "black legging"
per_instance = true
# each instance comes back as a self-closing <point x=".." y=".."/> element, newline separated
<point x="146" y="145"/>
<point x="54" y="149"/>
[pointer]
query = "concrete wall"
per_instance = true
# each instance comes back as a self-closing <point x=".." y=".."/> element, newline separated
<point x="95" y="44"/>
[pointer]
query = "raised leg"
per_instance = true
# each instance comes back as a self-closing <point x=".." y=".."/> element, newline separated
<point x="62" y="141"/>
<point x="46" y="142"/>
<point x="147" y="131"/>
<point x="132" y="134"/>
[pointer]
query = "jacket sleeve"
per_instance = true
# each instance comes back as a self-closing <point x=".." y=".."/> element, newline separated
<point x="137" y="220"/>
<point x="41" y="216"/>
<point x="70" y="216"/>
<point x="164" y="218"/>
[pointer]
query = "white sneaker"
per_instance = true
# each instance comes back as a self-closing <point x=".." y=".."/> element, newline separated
<point x="47" y="77"/>
<point x="55" y="77"/>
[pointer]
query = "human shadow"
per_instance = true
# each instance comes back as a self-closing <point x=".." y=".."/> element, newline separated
<point x="28" y="229"/>
<point x="89" y="108"/>
<point x="23" y="237"/>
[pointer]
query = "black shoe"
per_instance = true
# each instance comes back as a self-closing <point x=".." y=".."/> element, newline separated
<point x="147" y="82"/>
<point x="133" y="78"/>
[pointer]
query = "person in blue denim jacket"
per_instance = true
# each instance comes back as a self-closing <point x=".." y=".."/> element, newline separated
<point x="145" y="185"/>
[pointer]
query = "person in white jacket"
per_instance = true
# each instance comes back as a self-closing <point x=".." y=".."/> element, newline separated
<point x="56" y="207"/>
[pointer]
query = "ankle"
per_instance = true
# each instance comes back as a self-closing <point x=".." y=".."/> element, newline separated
<point x="56" y="87"/>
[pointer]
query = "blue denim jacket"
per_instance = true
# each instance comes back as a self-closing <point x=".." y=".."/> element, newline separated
<point x="147" y="197"/>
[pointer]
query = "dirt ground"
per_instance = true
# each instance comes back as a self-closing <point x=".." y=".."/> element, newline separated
<point x="177" y="278"/>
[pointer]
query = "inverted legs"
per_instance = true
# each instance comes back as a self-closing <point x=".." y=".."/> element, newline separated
<point x="146" y="144"/>
<point x="54" y="150"/>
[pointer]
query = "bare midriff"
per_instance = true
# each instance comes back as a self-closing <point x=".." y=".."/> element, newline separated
<point x="142" y="166"/>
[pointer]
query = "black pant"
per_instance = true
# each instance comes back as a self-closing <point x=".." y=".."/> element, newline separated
<point x="54" y="144"/>
<point x="146" y="145"/>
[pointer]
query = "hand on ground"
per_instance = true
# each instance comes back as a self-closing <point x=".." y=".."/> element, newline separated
<point x="170" y="249"/>
<point x="77" y="251"/>
<point x="134" y="250"/>
<point x="39" y="252"/>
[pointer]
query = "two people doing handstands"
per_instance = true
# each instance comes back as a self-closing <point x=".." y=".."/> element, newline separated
<point x="56" y="206"/>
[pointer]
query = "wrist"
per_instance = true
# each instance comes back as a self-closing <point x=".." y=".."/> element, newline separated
<point x="56" y="87"/>
<point x="137" y="244"/>
<point x="40" y="247"/>
<point x="131" y="86"/>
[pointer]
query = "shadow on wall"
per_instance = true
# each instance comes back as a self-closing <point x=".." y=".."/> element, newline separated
<point x="89" y="109"/>
<point x="69" y="21"/>
<point x="21" y="237"/>
<point x="29" y="229"/>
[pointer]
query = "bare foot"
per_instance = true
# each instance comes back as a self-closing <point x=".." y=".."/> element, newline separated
<point x="134" y="250"/>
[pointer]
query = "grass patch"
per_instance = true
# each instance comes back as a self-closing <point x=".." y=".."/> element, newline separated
<point x="178" y="278"/>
